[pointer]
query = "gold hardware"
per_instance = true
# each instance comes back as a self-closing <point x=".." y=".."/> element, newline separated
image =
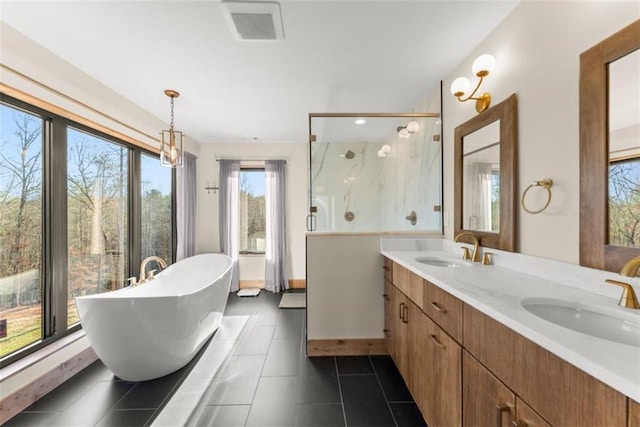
<point x="144" y="263"/>
<point x="312" y="138"/>
<point x="482" y="66"/>
<point x="546" y="184"/>
<point x="628" y="298"/>
<point x="133" y="281"/>
<point x="465" y="253"/>
<point x="401" y="308"/>
<point x="405" y="314"/>
<point x="630" y="269"/>
<point x="436" y="341"/>
<point x="385" y="268"/>
<point x="476" y="244"/>
<point x="438" y="307"/>
<point x="486" y="258"/>
<point x="386" y="297"/>
<point x="503" y="407"/>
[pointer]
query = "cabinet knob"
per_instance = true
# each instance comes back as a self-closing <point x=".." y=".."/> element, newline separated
<point x="385" y="268"/>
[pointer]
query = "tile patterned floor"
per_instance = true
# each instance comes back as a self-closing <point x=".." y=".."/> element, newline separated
<point x="266" y="381"/>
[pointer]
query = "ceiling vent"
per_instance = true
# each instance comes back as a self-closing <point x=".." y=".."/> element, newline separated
<point x="254" y="20"/>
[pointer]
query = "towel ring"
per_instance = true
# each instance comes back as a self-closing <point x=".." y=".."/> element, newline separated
<point x="547" y="184"/>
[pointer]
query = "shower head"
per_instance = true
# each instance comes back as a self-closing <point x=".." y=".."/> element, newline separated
<point x="349" y="154"/>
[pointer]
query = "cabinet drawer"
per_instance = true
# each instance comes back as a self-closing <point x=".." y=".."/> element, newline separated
<point x="444" y="309"/>
<point x="409" y="284"/>
<point x="388" y="267"/>
<point x="561" y="393"/>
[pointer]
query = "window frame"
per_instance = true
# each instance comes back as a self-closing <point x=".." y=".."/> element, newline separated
<point x="261" y="168"/>
<point x="54" y="256"/>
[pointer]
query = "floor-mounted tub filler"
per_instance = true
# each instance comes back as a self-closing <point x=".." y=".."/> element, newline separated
<point x="150" y="330"/>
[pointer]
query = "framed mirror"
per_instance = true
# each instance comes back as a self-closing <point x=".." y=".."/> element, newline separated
<point x="485" y="162"/>
<point x="610" y="151"/>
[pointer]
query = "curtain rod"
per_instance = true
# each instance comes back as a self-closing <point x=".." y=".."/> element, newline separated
<point x="251" y="160"/>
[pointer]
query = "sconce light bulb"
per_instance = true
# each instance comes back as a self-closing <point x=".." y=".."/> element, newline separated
<point x="386" y="149"/>
<point x="413" y="126"/>
<point x="483" y="65"/>
<point x="381" y="154"/>
<point x="404" y="133"/>
<point x="460" y="86"/>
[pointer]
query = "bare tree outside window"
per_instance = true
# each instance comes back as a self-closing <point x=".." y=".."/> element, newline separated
<point x="252" y="211"/>
<point x="20" y="229"/>
<point x="624" y="203"/>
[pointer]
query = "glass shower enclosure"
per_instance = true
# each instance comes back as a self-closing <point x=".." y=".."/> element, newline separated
<point x="375" y="172"/>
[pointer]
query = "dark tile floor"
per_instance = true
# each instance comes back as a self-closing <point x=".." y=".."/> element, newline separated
<point x="266" y="381"/>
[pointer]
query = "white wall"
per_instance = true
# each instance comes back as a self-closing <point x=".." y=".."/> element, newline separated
<point x="252" y="267"/>
<point x="537" y="49"/>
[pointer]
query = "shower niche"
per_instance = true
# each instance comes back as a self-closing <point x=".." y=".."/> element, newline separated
<point x="375" y="172"/>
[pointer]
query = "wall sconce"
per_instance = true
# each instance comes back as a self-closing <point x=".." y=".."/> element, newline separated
<point x="208" y="187"/>
<point x="482" y="66"/>
<point x="409" y="129"/>
<point x="384" y="150"/>
<point x="172" y="140"/>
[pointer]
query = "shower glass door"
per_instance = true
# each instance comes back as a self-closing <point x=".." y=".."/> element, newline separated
<point x="375" y="172"/>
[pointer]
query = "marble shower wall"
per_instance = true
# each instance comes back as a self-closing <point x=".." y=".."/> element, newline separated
<point x="379" y="191"/>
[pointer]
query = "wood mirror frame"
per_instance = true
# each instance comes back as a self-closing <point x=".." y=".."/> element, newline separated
<point x="595" y="251"/>
<point x="507" y="113"/>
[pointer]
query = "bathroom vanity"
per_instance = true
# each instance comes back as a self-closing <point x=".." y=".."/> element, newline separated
<point x="474" y="348"/>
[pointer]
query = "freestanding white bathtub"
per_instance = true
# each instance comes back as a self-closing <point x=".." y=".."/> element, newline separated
<point x="153" y="329"/>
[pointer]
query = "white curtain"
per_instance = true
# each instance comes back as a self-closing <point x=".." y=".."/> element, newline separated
<point x="478" y="198"/>
<point x="229" y="198"/>
<point x="187" y="205"/>
<point x="276" y="274"/>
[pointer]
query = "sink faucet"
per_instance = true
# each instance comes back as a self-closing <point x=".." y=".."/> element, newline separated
<point x="628" y="298"/>
<point x="475" y="257"/>
<point x="147" y="260"/>
<point x="630" y="269"/>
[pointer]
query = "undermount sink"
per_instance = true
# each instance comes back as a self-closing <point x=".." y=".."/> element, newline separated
<point x="441" y="262"/>
<point x="623" y="327"/>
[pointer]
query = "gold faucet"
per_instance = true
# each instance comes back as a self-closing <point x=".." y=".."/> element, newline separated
<point x="475" y="257"/>
<point x="630" y="269"/>
<point x="628" y="298"/>
<point x="143" y="266"/>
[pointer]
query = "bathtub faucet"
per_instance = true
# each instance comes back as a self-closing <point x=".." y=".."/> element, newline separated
<point x="143" y="267"/>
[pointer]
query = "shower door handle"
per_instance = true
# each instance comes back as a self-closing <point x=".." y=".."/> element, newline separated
<point x="311" y="222"/>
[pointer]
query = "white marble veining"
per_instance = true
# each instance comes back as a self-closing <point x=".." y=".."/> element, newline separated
<point x="379" y="191"/>
<point x="498" y="291"/>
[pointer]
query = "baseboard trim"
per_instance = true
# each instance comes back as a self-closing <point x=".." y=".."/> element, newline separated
<point x="21" y="399"/>
<point x="346" y="347"/>
<point x="252" y="284"/>
<point x="297" y="283"/>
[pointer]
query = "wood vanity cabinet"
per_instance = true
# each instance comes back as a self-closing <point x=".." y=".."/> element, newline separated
<point x="487" y="401"/>
<point x="559" y="392"/>
<point x="461" y="366"/>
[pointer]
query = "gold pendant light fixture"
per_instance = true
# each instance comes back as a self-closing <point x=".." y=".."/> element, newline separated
<point x="172" y="140"/>
<point x="482" y="66"/>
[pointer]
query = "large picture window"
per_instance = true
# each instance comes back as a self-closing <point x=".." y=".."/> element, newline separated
<point x="252" y="219"/>
<point x="79" y="210"/>
<point x="21" y="143"/>
<point x="624" y="202"/>
<point x="97" y="211"/>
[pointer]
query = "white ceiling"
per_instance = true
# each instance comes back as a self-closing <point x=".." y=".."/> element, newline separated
<point x="336" y="56"/>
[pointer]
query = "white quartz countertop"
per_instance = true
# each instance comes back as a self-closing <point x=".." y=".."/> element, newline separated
<point x="498" y="291"/>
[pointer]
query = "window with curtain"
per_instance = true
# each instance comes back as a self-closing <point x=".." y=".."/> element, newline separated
<point x="252" y="213"/>
<point x="69" y="202"/>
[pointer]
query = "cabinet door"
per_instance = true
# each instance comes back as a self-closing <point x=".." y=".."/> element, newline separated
<point x="634" y="413"/>
<point x="485" y="400"/>
<point x="440" y="369"/>
<point x="527" y="417"/>
<point x="389" y="324"/>
<point x="400" y="333"/>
